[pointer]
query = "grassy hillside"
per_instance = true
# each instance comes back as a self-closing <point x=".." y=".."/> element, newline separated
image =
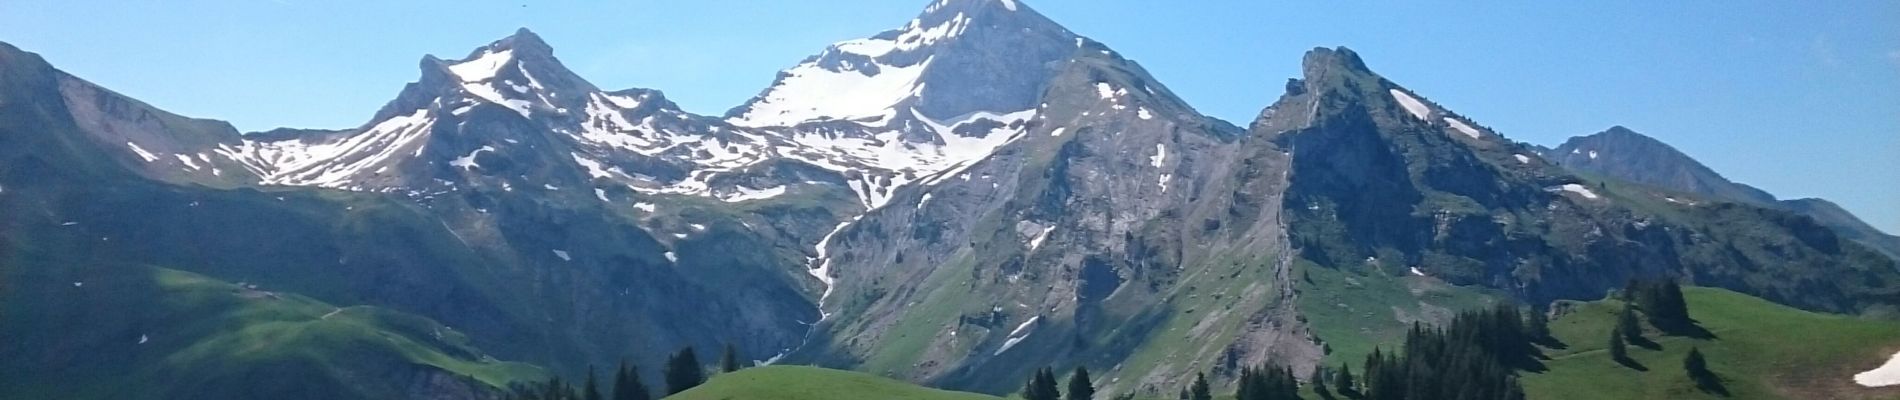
<point x="83" y="330"/>
<point x="1760" y="349"/>
<point x="811" y="383"/>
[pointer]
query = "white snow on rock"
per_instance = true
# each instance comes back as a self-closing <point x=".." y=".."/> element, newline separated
<point x="79" y="284"/>
<point x="1058" y="131"/>
<point x="1143" y="113"/>
<point x="141" y="152"/>
<point x="482" y="67"/>
<point x="646" y="207"/>
<point x="749" y="194"/>
<point x="1886" y="375"/>
<point x="563" y="255"/>
<point x="810" y="92"/>
<point x="1522" y="159"/>
<point x="1163" y="181"/>
<point x="1036" y="242"/>
<point x="672" y="257"/>
<point x="467" y="162"/>
<point x="1416" y="271"/>
<point x="189" y="163"/>
<point x="144" y="338"/>
<point x="333" y="163"/>
<point x="1105" y="90"/>
<point x="1016" y="336"/>
<point x="601" y="194"/>
<point x="1580" y="190"/>
<point x="1009" y="4"/>
<point x="1462" y="127"/>
<point x="1411" y="104"/>
<point x="1161" y="154"/>
<point x="1593" y="154"/>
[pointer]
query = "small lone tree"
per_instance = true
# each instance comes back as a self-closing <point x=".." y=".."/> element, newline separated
<point x="1079" y="386"/>
<point x="1627" y="325"/>
<point x="729" y="361"/>
<point x="1698" y="370"/>
<point x="1200" y="391"/>
<point x="1619" y="351"/>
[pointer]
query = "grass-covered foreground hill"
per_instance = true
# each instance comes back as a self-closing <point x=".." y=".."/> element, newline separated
<point x="133" y="332"/>
<point x="1760" y="350"/>
<point x="810" y="383"/>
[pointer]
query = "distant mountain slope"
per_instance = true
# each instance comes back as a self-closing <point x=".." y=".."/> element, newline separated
<point x="1761" y="350"/>
<point x="1383" y="179"/>
<point x="563" y="278"/>
<point x="1623" y="154"/>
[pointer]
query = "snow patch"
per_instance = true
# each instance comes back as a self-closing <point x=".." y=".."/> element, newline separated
<point x="1016" y="336"/>
<point x="810" y="92"/>
<point x="467" y="162"/>
<point x="670" y="257"/>
<point x="1417" y="272"/>
<point x="1886" y="375"/>
<point x="1143" y="113"/>
<point x="563" y="255"/>
<point x="749" y="194"/>
<point x="1411" y="104"/>
<point x="1009" y="4"/>
<point x="1462" y="127"/>
<point x="1106" y="91"/>
<point x="188" y="161"/>
<point x="1593" y="154"/>
<point x="646" y="207"/>
<point x="482" y="67"/>
<point x="601" y="194"/>
<point x="1523" y="159"/>
<point x="1058" y="131"/>
<point x="1036" y="242"/>
<point x="141" y="152"/>
<point x="1161" y="154"/>
<point x="1580" y="190"/>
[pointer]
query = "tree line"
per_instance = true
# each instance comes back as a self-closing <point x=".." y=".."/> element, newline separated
<point x="682" y="371"/>
<point x="1475" y="356"/>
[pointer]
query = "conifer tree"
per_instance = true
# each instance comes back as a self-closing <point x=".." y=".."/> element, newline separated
<point x="591" y="391"/>
<point x="729" y="361"/>
<point x="1618" y="350"/>
<point x="1627" y="325"/>
<point x="683" y="371"/>
<point x="1343" y="383"/>
<point x="627" y="385"/>
<point x="1079" y="386"/>
<point x="1199" y="390"/>
<point x="1698" y="369"/>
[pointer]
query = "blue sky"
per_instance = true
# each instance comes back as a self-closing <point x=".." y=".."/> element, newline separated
<point x="1799" y="98"/>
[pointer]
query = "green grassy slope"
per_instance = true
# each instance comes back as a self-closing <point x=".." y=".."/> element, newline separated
<point x="1761" y="350"/>
<point x="85" y="330"/>
<point x="811" y="383"/>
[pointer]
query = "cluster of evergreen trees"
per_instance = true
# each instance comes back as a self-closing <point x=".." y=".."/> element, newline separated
<point x="1662" y="304"/>
<point x="1042" y="386"/>
<point x="683" y="371"/>
<point x="1475" y="357"/>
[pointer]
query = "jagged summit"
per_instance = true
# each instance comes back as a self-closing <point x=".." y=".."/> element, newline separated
<point x="957" y="57"/>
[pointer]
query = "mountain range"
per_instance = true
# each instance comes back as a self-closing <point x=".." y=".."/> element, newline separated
<point x="956" y="202"/>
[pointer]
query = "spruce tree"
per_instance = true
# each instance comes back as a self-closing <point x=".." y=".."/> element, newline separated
<point x="1079" y="386"/>
<point x="683" y="371"/>
<point x="1698" y="370"/>
<point x="1200" y="391"/>
<point x="627" y="385"/>
<point x="592" y="389"/>
<point x="729" y="361"/>
<point x="1343" y="383"/>
<point x="1618" y="350"/>
<point x="1627" y="325"/>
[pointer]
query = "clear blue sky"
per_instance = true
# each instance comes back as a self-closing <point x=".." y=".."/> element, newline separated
<point x="1799" y="98"/>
